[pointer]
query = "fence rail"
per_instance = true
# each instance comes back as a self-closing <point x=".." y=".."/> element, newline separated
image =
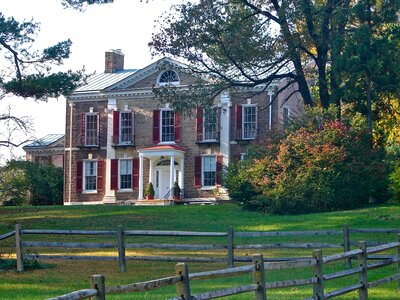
<point x="225" y="250"/>
<point x="260" y="286"/>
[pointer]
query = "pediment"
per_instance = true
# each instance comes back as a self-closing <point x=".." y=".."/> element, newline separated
<point x="148" y="77"/>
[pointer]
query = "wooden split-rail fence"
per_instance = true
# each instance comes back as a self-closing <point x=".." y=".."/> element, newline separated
<point x="228" y="248"/>
<point x="183" y="280"/>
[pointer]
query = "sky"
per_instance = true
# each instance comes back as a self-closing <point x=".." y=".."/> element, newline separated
<point x="124" y="24"/>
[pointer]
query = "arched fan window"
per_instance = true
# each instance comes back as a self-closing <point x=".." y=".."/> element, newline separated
<point x="168" y="77"/>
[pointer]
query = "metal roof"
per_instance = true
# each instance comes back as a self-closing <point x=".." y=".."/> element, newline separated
<point x="45" y="141"/>
<point x="101" y="81"/>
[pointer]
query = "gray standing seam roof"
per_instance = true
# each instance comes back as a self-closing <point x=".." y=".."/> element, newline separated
<point x="45" y="141"/>
<point x="101" y="81"/>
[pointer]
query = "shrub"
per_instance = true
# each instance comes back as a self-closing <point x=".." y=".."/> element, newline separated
<point x="322" y="165"/>
<point x="149" y="192"/>
<point x="24" y="182"/>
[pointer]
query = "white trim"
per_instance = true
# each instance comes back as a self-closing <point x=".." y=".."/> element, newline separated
<point x="256" y="120"/>
<point x="161" y="127"/>
<point x="203" y="186"/>
<point x="173" y="83"/>
<point x="84" y="190"/>
<point x="119" y="175"/>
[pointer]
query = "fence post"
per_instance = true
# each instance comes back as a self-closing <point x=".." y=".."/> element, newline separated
<point x="18" y="248"/>
<point x="183" y="286"/>
<point x="363" y="277"/>
<point x="318" y="286"/>
<point x="231" y="247"/>
<point x="259" y="277"/>
<point x="99" y="284"/>
<point x="121" y="249"/>
<point x="346" y="244"/>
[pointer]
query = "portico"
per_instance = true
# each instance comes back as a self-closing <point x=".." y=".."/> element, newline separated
<point x="166" y="165"/>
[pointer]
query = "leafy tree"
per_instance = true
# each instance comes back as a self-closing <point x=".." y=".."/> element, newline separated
<point x="24" y="182"/>
<point x="26" y="72"/>
<point x="247" y="43"/>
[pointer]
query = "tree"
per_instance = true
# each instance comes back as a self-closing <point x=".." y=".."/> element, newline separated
<point x="24" y="182"/>
<point x="28" y="73"/>
<point x="247" y="43"/>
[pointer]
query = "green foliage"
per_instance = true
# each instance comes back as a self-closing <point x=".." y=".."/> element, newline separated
<point x="177" y="189"/>
<point x="24" y="182"/>
<point x="149" y="190"/>
<point x="323" y="165"/>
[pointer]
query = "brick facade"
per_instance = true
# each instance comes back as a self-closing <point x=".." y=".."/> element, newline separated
<point x="138" y="98"/>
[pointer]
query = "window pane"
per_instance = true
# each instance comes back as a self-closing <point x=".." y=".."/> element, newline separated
<point x="209" y="170"/>
<point x="249" y="122"/>
<point x="126" y="127"/>
<point x="125" y="166"/>
<point x="167" y="126"/>
<point x="91" y="130"/>
<point x="90" y="175"/>
<point x="210" y="124"/>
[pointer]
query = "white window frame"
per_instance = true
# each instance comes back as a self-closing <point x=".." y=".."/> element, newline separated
<point x="203" y="170"/>
<point x="162" y="111"/>
<point x="120" y="161"/>
<point x="85" y="189"/>
<point x="285" y="119"/>
<point x="172" y="83"/>
<point x="244" y="107"/>
<point x="87" y="115"/>
<point x="215" y="109"/>
<point x="130" y="141"/>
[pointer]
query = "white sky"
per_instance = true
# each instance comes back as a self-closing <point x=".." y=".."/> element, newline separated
<point x="125" y="24"/>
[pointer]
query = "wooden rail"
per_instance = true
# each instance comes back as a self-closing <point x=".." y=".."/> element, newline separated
<point x="228" y="247"/>
<point x="183" y="280"/>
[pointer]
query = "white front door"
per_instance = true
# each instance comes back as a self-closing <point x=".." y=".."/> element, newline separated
<point x="163" y="187"/>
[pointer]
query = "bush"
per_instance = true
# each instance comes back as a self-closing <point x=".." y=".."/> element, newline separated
<point x="323" y="165"/>
<point x="24" y="182"/>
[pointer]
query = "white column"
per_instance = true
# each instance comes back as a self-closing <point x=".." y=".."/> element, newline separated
<point x="171" y="175"/>
<point x="181" y="179"/>
<point x="270" y="93"/>
<point x="140" y="177"/>
<point x="151" y="170"/>
<point x="109" y="196"/>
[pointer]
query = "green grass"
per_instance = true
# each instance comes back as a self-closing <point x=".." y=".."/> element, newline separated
<point x="65" y="276"/>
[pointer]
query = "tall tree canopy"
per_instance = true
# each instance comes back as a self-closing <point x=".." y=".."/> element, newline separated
<point x="27" y="71"/>
<point x="248" y="43"/>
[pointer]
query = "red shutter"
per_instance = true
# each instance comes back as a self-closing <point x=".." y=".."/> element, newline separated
<point x="79" y="176"/>
<point x="238" y="113"/>
<point x="100" y="175"/>
<point x="197" y="171"/>
<point x="135" y="172"/>
<point x="116" y="127"/>
<point x="83" y="129"/>
<point x="177" y="127"/>
<point x="156" y="126"/>
<point x="199" y="123"/>
<point x="114" y="174"/>
<point x="218" y="179"/>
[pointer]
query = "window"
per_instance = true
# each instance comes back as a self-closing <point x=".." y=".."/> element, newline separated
<point x="209" y="170"/>
<point x="286" y="114"/>
<point x="249" y="121"/>
<point x="91" y="129"/>
<point x="125" y="127"/>
<point x="168" y="78"/>
<point x="125" y="176"/>
<point x="167" y="126"/>
<point x="210" y="124"/>
<point x="90" y="175"/>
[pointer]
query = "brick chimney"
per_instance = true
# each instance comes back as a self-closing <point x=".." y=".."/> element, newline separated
<point x="114" y="61"/>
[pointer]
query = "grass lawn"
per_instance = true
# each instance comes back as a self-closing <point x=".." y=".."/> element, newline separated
<point x="60" y="277"/>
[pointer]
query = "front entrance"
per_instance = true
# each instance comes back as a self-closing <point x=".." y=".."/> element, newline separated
<point x="161" y="179"/>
